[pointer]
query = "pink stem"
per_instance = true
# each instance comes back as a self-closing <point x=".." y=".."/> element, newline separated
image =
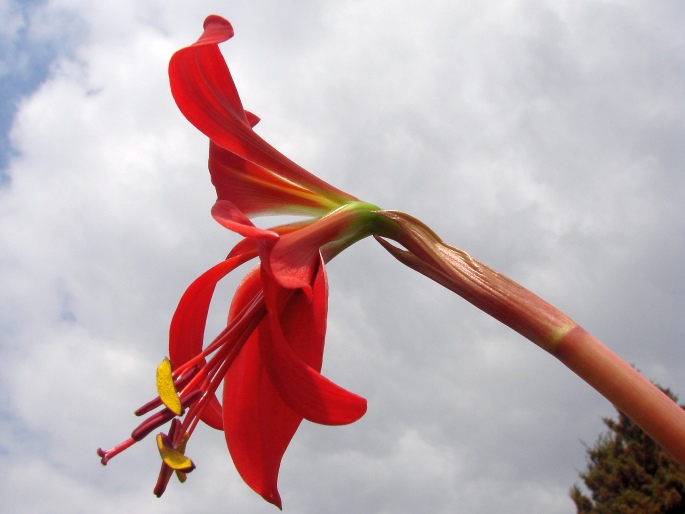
<point x="628" y="390"/>
<point x="541" y="323"/>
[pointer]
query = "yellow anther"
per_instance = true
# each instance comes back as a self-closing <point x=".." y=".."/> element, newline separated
<point x="184" y="441"/>
<point x="183" y="475"/>
<point x="174" y="458"/>
<point x="165" y="388"/>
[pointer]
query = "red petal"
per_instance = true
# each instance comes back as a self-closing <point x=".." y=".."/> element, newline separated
<point x="302" y="324"/>
<point x="257" y="424"/>
<point x="216" y="30"/>
<point x="257" y="191"/>
<point x="252" y="119"/>
<point x="252" y="245"/>
<point x="250" y="286"/>
<point x="293" y="258"/>
<point x="229" y="216"/>
<point x="204" y="91"/>
<point x="186" y="333"/>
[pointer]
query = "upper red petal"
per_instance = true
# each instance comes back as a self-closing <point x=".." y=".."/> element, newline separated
<point x="256" y="191"/>
<point x="216" y="30"/>
<point x="204" y="91"/>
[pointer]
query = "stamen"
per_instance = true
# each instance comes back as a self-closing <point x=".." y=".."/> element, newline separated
<point x="172" y="457"/>
<point x="179" y="383"/>
<point x="246" y="318"/>
<point x="153" y="422"/>
<point x="161" y="417"/>
<point x="148" y="407"/>
<point x="195" y="385"/>
<point x="106" y="455"/>
<point x="183" y="378"/>
<point x="174" y="430"/>
<point x="172" y="449"/>
<point x="165" y="387"/>
<point x="191" y="397"/>
<point x="218" y="366"/>
<point x="162" y="480"/>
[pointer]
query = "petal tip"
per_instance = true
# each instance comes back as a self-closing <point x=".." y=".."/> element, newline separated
<point x="252" y="119"/>
<point x="217" y="22"/>
<point x="216" y="30"/>
<point x="273" y="498"/>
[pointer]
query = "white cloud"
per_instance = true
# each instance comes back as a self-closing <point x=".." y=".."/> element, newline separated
<point x="542" y="138"/>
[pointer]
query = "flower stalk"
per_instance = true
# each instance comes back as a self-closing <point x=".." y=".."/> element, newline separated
<point x="541" y="323"/>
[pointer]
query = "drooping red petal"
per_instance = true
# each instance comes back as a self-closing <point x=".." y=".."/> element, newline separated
<point x="298" y="382"/>
<point x="186" y="333"/>
<point x="205" y="93"/>
<point x="258" y="423"/>
<point x="258" y="426"/>
<point x="257" y="191"/>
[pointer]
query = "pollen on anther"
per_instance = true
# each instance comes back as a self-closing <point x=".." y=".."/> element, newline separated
<point x="165" y="388"/>
<point x="173" y="457"/>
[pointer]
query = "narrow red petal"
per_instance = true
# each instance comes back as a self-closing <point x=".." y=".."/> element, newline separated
<point x="186" y="333"/>
<point x="229" y="216"/>
<point x="302" y="324"/>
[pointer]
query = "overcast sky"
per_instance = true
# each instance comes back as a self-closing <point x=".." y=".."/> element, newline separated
<point x="543" y="137"/>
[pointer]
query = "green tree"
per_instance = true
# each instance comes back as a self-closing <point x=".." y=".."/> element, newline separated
<point x="628" y="473"/>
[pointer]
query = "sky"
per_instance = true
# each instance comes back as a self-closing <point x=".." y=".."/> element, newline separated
<point x="543" y="137"/>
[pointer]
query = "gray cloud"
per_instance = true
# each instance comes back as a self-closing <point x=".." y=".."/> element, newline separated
<point x="542" y="139"/>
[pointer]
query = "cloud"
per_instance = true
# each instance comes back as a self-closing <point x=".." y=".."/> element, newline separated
<point x="542" y="138"/>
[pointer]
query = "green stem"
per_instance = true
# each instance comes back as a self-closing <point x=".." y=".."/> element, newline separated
<point x="540" y="322"/>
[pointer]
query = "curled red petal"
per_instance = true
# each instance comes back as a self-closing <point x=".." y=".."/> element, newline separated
<point x="205" y="93"/>
<point x="200" y="79"/>
<point x="299" y="383"/>
<point x="216" y="30"/>
<point x="186" y="333"/>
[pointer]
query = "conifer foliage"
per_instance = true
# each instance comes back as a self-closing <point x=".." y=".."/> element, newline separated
<point x="628" y="473"/>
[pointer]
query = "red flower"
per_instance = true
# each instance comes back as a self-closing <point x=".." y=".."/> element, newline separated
<point x="270" y="353"/>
